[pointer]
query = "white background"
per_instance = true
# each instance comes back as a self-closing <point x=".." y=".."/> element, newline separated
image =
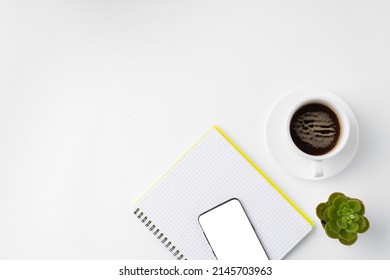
<point x="111" y="269"/>
<point x="99" y="98"/>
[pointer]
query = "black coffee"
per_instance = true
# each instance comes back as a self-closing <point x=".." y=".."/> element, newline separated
<point x="315" y="129"/>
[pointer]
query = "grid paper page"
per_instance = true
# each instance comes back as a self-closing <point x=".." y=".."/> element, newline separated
<point x="212" y="172"/>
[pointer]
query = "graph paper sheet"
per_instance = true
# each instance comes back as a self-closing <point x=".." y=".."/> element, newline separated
<point x="211" y="172"/>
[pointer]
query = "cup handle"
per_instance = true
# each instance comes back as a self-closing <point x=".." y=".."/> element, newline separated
<point x="317" y="168"/>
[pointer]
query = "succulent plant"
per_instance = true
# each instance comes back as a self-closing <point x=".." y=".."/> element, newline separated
<point x="343" y="218"/>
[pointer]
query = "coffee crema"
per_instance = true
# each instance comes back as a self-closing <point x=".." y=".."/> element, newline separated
<point x="315" y="129"/>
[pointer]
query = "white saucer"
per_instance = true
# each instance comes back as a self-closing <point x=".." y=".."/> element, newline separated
<point x="290" y="160"/>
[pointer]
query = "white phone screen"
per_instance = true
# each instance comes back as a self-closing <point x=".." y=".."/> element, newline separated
<point x="230" y="233"/>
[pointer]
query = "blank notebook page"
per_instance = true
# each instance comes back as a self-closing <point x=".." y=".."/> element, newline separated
<point x="210" y="173"/>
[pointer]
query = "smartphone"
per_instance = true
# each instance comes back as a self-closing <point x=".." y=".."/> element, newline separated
<point x="230" y="233"/>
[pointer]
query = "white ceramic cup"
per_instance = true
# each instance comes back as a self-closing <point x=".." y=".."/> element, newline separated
<point x="316" y="163"/>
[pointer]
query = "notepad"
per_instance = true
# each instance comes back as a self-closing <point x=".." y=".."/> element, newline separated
<point x="211" y="172"/>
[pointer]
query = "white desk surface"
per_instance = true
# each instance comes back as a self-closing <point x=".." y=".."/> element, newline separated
<point x="99" y="98"/>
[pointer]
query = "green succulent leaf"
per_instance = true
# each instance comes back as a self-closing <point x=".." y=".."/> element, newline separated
<point x="342" y="224"/>
<point x="339" y="200"/>
<point x="362" y="210"/>
<point x="348" y="242"/>
<point x="344" y="212"/>
<point x="334" y="227"/>
<point x="320" y="210"/>
<point x="345" y="208"/>
<point x="332" y="213"/>
<point x="333" y="196"/>
<point x="364" y="224"/>
<point x="356" y="205"/>
<point x="347" y="235"/>
<point x="330" y="233"/>
<point x="352" y="227"/>
<point x="327" y="218"/>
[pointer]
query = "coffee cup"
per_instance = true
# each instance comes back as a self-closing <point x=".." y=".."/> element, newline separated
<point x="317" y="129"/>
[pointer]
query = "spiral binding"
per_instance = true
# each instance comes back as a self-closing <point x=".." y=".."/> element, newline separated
<point x="160" y="236"/>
